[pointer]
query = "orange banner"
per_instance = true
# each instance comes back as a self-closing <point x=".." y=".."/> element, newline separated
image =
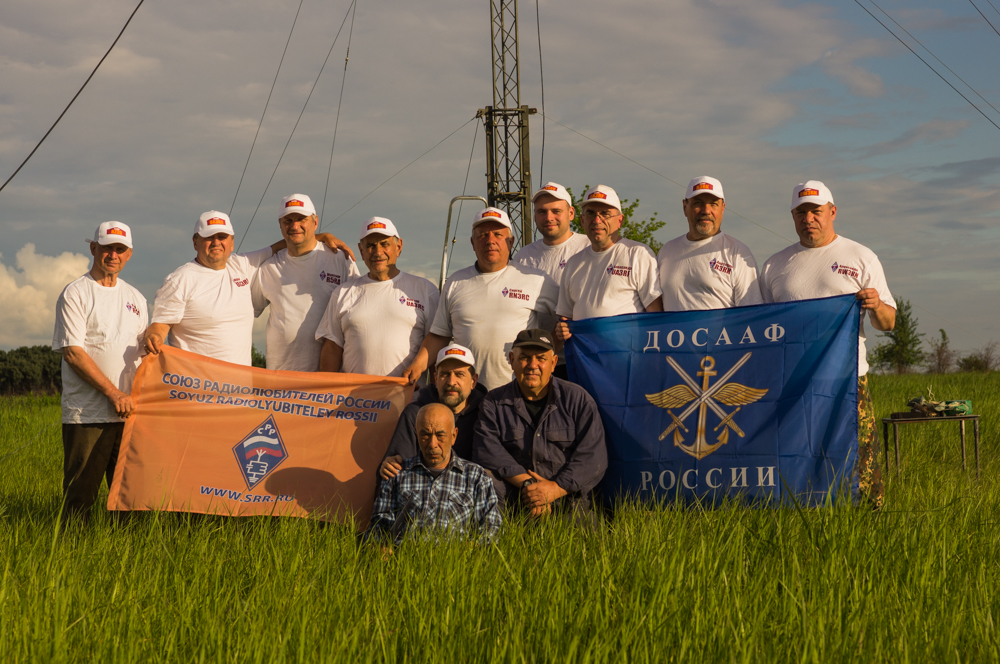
<point x="219" y="438"/>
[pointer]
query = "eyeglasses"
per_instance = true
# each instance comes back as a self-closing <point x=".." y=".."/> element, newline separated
<point x="605" y="215"/>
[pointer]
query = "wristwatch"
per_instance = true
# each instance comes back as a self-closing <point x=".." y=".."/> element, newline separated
<point x="528" y="482"/>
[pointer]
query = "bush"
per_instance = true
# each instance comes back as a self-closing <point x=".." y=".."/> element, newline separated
<point x="30" y="370"/>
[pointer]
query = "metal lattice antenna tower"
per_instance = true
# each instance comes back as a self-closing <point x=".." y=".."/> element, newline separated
<point x="508" y="162"/>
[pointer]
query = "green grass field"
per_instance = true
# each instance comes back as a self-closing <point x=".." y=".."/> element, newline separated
<point x="918" y="581"/>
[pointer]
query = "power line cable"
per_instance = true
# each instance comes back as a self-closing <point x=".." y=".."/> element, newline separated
<point x="994" y="8"/>
<point x="35" y="149"/>
<point x="340" y="102"/>
<point x="988" y="119"/>
<point x="934" y="56"/>
<point x="295" y="126"/>
<point x="541" y="77"/>
<point x="984" y="16"/>
<point x="402" y="169"/>
<point x="465" y="187"/>
<point x="266" y="104"/>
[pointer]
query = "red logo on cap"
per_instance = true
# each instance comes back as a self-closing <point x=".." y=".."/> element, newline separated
<point x="455" y="351"/>
<point x="597" y="194"/>
<point x="295" y="203"/>
<point x="491" y="213"/>
<point x="116" y="231"/>
<point x="703" y="185"/>
<point x="809" y="192"/>
<point x="549" y="187"/>
<point x="216" y="221"/>
<point x="376" y="224"/>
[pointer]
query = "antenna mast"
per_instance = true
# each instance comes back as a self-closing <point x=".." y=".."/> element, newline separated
<point x="508" y="158"/>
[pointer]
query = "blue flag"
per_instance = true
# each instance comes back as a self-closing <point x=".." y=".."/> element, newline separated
<point x="759" y="402"/>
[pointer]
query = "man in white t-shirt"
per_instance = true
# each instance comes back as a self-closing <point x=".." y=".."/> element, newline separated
<point x="824" y="264"/>
<point x="706" y="268"/>
<point x="205" y="306"/>
<point x="485" y="305"/>
<point x="297" y="282"/>
<point x="610" y="277"/>
<point x="553" y="210"/>
<point x="374" y="323"/>
<point x="99" y="324"/>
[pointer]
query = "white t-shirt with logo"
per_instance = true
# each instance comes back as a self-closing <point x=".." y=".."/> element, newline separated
<point x="108" y="323"/>
<point x="379" y="324"/>
<point x="839" y="268"/>
<point x="551" y="261"/>
<point x="298" y="288"/>
<point x="211" y="311"/>
<point x="715" y="273"/>
<point x="485" y="311"/>
<point x="619" y="280"/>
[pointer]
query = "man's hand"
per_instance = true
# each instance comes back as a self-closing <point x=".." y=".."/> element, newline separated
<point x="122" y="403"/>
<point x="562" y="332"/>
<point x="541" y="493"/>
<point x="391" y="467"/>
<point x="154" y="337"/>
<point x="413" y="372"/>
<point x="334" y="244"/>
<point x="538" y="512"/>
<point x="883" y="316"/>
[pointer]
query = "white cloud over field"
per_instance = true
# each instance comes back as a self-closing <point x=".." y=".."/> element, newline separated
<point x="28" y="293"/>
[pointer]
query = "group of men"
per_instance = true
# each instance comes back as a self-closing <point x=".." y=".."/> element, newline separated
<point x="498" y="420"/>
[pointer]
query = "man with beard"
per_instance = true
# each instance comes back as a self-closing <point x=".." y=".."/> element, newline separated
<point x="706" y="268"/>
<point x="456" y="386"/>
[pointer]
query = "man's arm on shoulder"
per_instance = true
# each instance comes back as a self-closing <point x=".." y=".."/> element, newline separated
<point x="403" y="443"/>
<point x="84" y="366"/>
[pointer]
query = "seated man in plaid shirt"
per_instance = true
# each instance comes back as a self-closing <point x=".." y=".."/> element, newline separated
<point x="436" y="490"/>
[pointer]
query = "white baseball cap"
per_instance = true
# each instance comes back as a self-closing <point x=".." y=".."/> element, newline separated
<point x="113" y="232"/>
<point x="456" y="352"/>
<point x="704" y="185"/>
<point x="811" y="191"/>
<point x="602" y="194"/>
<point x="379" y="225"/>
<point x="297" y="203"/>
<point x="554" y="190"/>
<point x="213" y="222"/>
<point x="492" y="214"/>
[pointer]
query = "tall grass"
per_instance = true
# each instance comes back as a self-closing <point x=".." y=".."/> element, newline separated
<point x="915" y="582"/>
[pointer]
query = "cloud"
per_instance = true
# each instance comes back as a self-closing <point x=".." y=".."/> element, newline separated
<point x="929" y="132"/>
<point x="840" y="63"/>
<point x="28" y="294"/>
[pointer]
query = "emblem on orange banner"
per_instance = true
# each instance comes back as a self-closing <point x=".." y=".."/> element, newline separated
<point x="260" y="452"/>
<point x="704" y="397"/>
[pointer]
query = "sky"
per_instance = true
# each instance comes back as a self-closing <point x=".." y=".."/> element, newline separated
<point x="641" y="95"/>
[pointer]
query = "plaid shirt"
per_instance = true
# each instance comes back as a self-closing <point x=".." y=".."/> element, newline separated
<point x="458" y="500"/>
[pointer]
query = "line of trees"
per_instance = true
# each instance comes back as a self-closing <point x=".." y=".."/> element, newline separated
<point x="30" y="370"/>
<point x="903" y="351"/>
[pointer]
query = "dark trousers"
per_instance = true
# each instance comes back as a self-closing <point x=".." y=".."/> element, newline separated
<point x="90" y="454"/>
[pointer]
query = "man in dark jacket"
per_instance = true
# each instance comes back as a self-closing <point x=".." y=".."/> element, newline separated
<point x="541" y="434"/>
<point x="455" y="385"/>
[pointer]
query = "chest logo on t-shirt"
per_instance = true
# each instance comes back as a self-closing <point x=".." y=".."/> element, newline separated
<point x="515" y="294"/>
<point x="131" y="307"/>
<point x="562" y="263"/>
<point x="719" y="266"/>
<point x="619" y="270"/>
<point x="329" y="277"/>
<point x="407" y="302"/>
<point x="846" y="270"/>
<point x="241" y="281"/>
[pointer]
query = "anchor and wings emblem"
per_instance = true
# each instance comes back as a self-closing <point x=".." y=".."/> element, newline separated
<point x="702" y="398"/>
